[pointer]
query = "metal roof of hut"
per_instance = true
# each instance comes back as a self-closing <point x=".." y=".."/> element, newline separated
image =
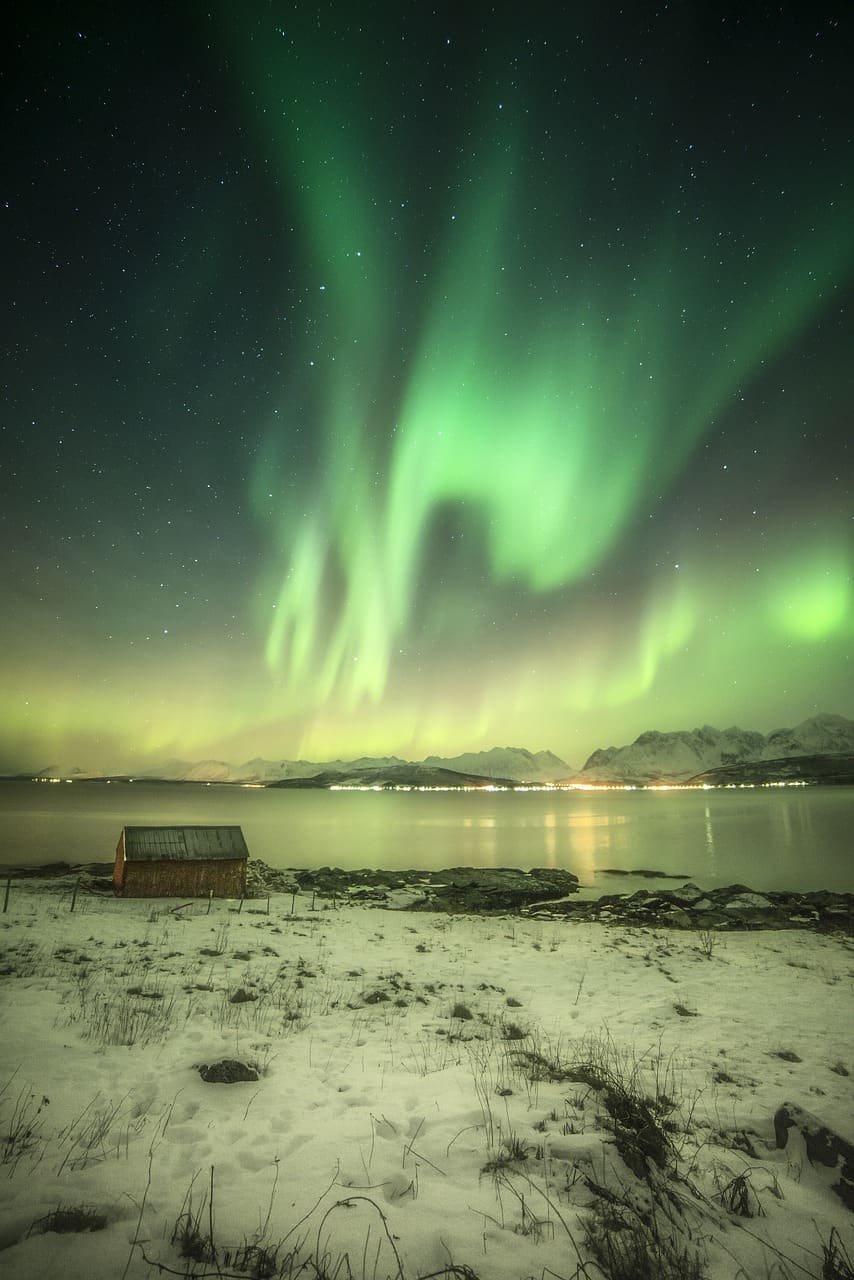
<point x="183" y="844"/>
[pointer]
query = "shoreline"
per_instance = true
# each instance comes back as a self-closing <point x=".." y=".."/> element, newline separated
<point x="538" y="893"/>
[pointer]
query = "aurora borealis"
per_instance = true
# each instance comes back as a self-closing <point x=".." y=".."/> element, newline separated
<point x="397" y="379"/>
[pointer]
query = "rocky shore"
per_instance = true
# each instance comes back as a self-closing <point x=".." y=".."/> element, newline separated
<point x="542" y="892"/>
<point x="474" y="890"/>
<point x="547" y="892"/>
<point x="734" y="906"/>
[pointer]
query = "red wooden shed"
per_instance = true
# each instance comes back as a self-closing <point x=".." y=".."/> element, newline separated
<point x="180" y="862"/>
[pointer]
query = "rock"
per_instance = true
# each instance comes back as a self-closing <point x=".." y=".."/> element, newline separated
<point x="687" y="895"/>
<point x="677" y="917"/>
<point x="748" y="902"/>
<point x="404" y="899"/>
<point x="241" y="996"/>
<point x="228" y="1071"/>
<point x="262" y="879"/>
<point x="822" y="1144"/>
<point x="472" y="889"/>
<point x="548" y="892"/>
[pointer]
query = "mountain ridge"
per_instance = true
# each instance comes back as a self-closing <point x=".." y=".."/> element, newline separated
<point x="681" y="755"/>
<point x="498" y="764"/>
<point x="684" y="755"/>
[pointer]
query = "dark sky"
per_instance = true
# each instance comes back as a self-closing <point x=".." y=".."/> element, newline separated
<point x="388" y="378"/>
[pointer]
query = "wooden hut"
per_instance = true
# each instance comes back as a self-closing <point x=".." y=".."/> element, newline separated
<point x="180" y="862"/>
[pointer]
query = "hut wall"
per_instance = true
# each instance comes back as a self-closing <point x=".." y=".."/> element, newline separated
<point x="164" y="878"/>
<point x="118" y="869"/>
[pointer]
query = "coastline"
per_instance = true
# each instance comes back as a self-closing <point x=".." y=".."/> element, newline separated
<point x="542" y="893"/>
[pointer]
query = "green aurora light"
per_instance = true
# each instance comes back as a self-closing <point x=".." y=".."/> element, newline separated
<point x="539" y="408"/>
<point x="405" y="381"/>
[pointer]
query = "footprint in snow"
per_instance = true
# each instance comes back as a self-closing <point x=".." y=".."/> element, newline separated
<point x="253" y="1161"/>
<point x="397" y="1187"/>
<point x="384" y="1128"/>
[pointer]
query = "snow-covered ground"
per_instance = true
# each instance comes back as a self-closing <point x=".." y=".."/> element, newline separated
<point x="414" y="1112"/>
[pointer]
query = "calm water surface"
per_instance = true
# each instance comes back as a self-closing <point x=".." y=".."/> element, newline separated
<point x="787" y="839"/>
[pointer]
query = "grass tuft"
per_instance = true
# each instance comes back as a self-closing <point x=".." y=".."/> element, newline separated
<point x="738" y="1197"/>
<point x="836" y="1264"/>
<point x="637" y="1118"/>
<point x="630" y="1247"/>
<point x="68" y="1219"/>
<point x="20" y="1125"/>
<point x="514" y="1150"/>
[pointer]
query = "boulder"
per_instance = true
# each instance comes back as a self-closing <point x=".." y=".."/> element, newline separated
<point x="748" y="902"/>
<point x="686" y="895"/>
<point x="677" y="917"/>
<point x="822" y="1144"/>
<point x="228" y="1071"/>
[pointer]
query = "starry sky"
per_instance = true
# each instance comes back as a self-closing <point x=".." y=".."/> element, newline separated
<point x="411" y="378"/>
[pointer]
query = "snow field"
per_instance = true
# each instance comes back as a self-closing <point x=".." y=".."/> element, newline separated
<point x="406" y="1117"/>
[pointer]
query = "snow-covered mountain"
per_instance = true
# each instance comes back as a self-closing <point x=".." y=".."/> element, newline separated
<point x="73" y="772"/>
<point x="669" y="756"/>
<point x="822" y="735"/>
<point x="262" y="771"/>
<point x="653" y="757"/>
<point x="500" y="762"/>
<point x="681" y="755"/>
<point x="506" y="762"/>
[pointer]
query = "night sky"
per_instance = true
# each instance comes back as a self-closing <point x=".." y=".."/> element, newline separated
<point x="390" y="378"/>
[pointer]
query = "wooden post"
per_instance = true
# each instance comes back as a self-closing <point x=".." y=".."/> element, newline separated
<point x="268" y="904"/>
<point x="6" y="896"/>
<point x="293" y="900"/>
<point x="240" y="908"/>
<point x="74" y="894"/>
<point x="210" y="901"/>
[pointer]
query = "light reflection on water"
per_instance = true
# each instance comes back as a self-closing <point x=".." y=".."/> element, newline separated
<point x="794" y="839"/>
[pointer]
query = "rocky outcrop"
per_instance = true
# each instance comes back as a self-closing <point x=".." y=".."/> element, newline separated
<point x="454" y="889"/>
<point x="550" y="892"/>
<point x="733" y="907"/>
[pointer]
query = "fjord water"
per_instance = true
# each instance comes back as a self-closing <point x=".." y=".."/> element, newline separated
<point x="791" y="838"/>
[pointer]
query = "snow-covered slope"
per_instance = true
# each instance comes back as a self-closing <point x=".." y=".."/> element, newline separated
<point x="677" y="756"/>
<point x="209" y="771"/>
<point x="506" y="762"/>
<point x="822" y="735"/>
<point x="681" y="754"/>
